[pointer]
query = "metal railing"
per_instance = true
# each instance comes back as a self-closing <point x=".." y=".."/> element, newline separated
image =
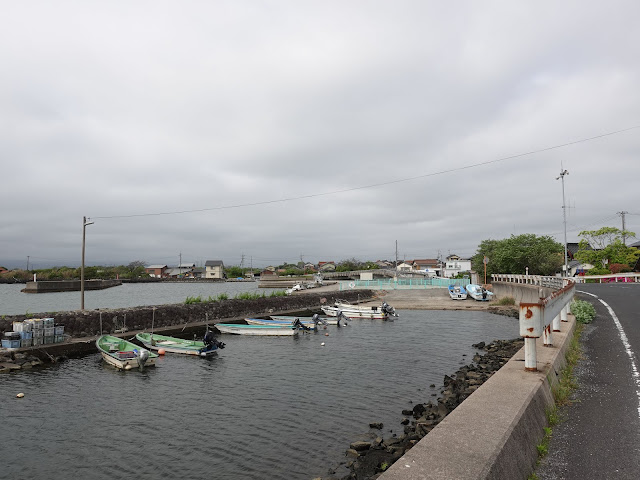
<point x="613" y="278"/>
<point x="544" y="317"/>
<point x="539" y="280"/>
<point x="403" y="283"/>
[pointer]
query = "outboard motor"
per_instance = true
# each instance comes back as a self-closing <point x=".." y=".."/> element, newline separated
<point x="484" y="293"/>
<point x="297" y="324"/>
<point x="343" y="317"/>
<point x="143" y="356"/>
<point x="316" y="320"/>
<point x="210" y="341"/>
<point x="388" y="309"/>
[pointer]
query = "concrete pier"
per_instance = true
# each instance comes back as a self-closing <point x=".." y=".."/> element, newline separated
<point x="47" y="286"/>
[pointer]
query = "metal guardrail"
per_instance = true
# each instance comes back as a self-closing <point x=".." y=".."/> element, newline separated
<point x="544" y="317"/>
<point x="403" y="283"/>
<point x="613" y="278"/>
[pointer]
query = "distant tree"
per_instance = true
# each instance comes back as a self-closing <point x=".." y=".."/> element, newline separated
<point x="605" y="247"/>
<point x="541" y="254"/>
<point x="233" y="271"/>
<point x="349" y="265"/>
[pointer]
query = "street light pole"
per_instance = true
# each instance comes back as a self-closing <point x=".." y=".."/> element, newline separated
<point x="84" y="228"/>
<point x="564" y="216"/>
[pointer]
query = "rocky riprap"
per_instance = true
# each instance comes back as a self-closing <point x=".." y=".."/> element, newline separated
<point x="10" y="361"/>
<point x="368" y="460"/>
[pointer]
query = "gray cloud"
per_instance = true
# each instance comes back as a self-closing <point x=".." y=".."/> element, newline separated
<point x="117" y="109"/>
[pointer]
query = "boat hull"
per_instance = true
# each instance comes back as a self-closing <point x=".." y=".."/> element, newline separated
<point x="176" y="345"/>
<point x="304" y="320"/>
<point x="122" y="354"/>
<point x="260" y="330"/>
<point x="478" y="293"/>
<point x="355" y="313"/>
<point x="457" y="293"/>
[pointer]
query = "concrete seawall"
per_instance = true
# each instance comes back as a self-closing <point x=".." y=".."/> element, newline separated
<point x="48" y="286"/>
<point x="82" y="324"/>
<point x="493" y="434"/>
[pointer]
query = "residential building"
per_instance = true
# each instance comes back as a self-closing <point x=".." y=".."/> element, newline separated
<point x="431" y="266"/>
<point x="156" y="271"/>
<point x="405" y="267"/>
<point x="214" y="269"/>
<point x="326" y="266"/>
<point x="455" y="265"/>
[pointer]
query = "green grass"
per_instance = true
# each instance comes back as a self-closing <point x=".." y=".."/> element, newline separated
<point x="507" y="301"/>
<point x="583" y="311"/>
<point x="562" y="392"/>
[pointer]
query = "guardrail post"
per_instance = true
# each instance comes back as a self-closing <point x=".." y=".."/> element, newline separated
<point x="547" y="336"/>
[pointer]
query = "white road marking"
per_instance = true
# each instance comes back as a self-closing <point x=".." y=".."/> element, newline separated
<point x="625" y="342"/>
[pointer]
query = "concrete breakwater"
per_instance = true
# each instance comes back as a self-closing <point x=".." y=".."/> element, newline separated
<point x="48" y="286"/>
<point x="82" y="326"/>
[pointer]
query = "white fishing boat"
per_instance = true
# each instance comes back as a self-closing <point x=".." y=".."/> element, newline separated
<point x="478" y="292"/>
<point x="382" y="312"/>
<point x="457" y="292"/>
<point x="264" y="330"/>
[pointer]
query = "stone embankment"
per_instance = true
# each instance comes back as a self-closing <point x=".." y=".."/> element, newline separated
<point x="82" y="326"/>
<point x="368" y="460"/>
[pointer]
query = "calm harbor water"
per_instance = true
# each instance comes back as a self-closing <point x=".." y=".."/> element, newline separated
<point x="14" y="302"/>
<point x="264" y="408"/>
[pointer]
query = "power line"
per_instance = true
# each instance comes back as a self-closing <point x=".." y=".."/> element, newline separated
<point x="391" y="182"/>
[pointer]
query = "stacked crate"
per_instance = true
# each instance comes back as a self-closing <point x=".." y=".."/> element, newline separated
<point x="25" y="331"/>
<point x="34" y="332"/>
<point x="38" y="331"/>
<point x="49" y="330"/>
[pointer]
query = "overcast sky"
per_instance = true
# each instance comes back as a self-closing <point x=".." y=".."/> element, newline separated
<point x="321" y="130"/>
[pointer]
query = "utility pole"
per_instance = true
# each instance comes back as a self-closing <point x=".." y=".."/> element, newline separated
<point x="84" y="228"/>
<point x="396" y="255"/>
<point x="564" y="215"/>
<point x="624" y="237"/>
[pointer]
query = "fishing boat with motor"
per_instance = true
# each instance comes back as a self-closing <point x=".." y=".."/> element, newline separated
<point x="285" y="320"/>
<point x="203" y="348"/>
<point x="262" y="330"/>
<point x="382" y="312"/>
<point x="307" y="320"/>
<point x="124" y="355"/>
<point x="478" y="292"/>
<point x="457" y="292"/>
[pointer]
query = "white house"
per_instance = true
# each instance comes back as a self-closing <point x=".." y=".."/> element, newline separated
<point x="455" y="265"/>
<point x="214" y="269"/>
<point x="404" y="267"/>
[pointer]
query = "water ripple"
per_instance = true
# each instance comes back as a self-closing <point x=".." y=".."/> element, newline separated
<point x="265" y="408"/>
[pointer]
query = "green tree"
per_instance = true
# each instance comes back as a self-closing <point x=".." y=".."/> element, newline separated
<point x="541" y="254"/>
<point x="233" y="271"/>
<point x="605" y="247"/>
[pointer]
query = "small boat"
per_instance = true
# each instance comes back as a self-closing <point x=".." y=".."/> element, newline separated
<point x="309" y="320"/>
<point x="478" y="292"/>
<point x="203" y="348"/>
<point x="241" y="329"/>
<point x="382" y="312"/>
<point x="457" y="292"/>
<point x="123" y="354"/>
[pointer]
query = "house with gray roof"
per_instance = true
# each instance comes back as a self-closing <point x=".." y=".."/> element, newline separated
<point x="214" y="269"/>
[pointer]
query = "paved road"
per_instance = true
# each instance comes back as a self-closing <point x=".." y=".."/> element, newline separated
<point x="600" y="438"/>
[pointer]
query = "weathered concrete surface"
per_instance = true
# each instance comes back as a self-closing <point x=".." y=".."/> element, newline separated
<point x="437" y="299"/>
<point x="493" y="434"/>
